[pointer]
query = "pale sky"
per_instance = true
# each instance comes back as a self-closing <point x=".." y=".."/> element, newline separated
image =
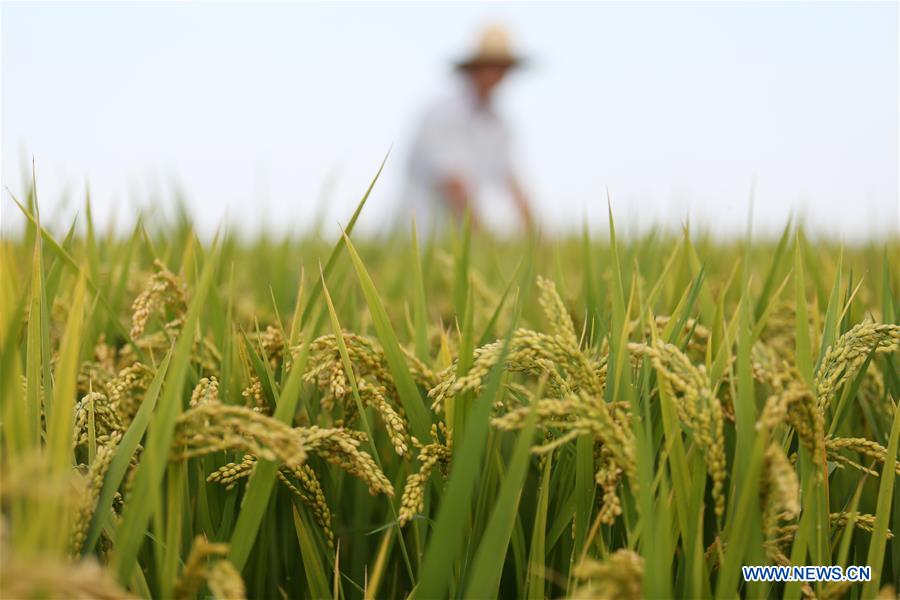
<point x="263" y="112"/>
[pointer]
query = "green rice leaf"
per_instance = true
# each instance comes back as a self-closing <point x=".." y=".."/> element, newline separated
<point x="886" y="492"/>
<point x="336" y="251"/>
<point x="150" y="471"/>
<point x="124" y="451"/>
<point x="803" y="347"/>
<point x="486" y="569"/>
<point x="412" y="402"/>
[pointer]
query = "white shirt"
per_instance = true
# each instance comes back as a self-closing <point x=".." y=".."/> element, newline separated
<point x="460" y="137"/>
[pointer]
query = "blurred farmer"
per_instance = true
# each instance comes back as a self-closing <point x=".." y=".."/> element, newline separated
<point x="461" y="154"/>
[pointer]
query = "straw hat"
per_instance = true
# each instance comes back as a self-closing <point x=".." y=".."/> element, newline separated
<point x="493" y="47"/>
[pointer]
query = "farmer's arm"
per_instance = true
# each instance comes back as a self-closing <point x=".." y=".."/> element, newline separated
<point x="513" y="183"/>
<point x="457" y="195"/>
<point x="445" y="155"/>
<point x="523" y="204"/>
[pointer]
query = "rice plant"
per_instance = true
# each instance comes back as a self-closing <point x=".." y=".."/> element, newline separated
<point x="453" y="416"/>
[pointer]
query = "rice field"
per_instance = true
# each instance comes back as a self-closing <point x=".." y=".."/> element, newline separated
<point x="414" y="416"/>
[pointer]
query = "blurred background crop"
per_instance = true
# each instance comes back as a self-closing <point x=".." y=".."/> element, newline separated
<point x="276" y="115"/>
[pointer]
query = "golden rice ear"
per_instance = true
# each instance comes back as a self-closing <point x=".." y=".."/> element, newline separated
<point x="340" y="447"/>
<point x="47" y="577"/>
<point x="565" y="419"/>
<point x="796" y="406"/>
<point x="555" y="311"/>
<point x="94" y="483"/>
<point x="412" y="502"/>
<point x="229" y="474"/>
<point x="620" y="576"/>
<point x="126" y="390"/>
<point x="311" y="494"/>
<point x="695" y="404"/>
<point x="780" y="486"/>
<point x="95" y="416"/>
<point x="846" y="356"/>
<point x="222" y="578"/>
<point x="374" y="382"/>
<point x="530" y="352"/>
<point x="163" y="290"/>
<point x="864" y="521"/>
<point x="253" y="395"/>
<point x="225" y="582"/>
<point x="395" y="425"/>
<point x="780" y="501"/>
<point x="206" y="391"/>
<point x="212" y="427"/>
<point x="863" y="446"/>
